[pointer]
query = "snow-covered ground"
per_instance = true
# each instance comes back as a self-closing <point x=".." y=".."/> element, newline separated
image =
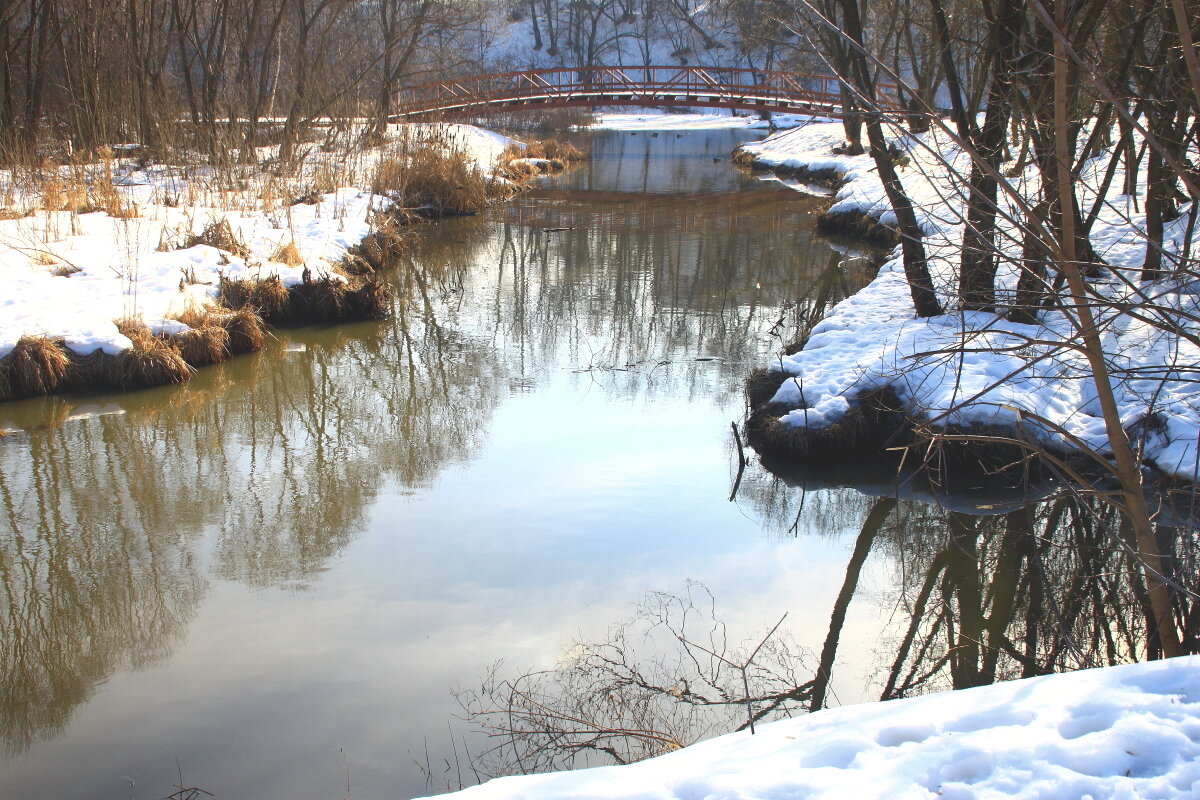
<point x="72" y="275"/>
<point x="1010" y="373"/>
<point x="1120" y="732"/>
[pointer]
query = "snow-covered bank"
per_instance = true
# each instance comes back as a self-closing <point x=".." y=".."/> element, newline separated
<point x="975" y="369"/>
<point x="124" y="248"/>
<point x="1121" y="732"/>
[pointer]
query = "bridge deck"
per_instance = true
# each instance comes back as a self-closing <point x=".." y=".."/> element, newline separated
<point x="705" y="87"/>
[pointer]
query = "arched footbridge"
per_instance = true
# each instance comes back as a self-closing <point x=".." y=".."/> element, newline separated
<point x="669" y="87"/>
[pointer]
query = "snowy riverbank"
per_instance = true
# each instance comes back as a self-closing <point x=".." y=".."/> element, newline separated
<point x="977" y="370"/>
<point x="1122" y="732"/>
<point x="83" y="247"/>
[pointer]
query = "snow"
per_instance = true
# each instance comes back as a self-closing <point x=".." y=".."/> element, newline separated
<point x="977" y="369"/>
<point x="127" y="267"/>
<point x="1105" y="734"/>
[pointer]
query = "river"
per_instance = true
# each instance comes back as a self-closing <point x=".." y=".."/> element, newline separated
<point x="268" y="582"/>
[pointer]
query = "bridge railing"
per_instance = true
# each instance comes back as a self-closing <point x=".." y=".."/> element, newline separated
<point x="722" y="85"/>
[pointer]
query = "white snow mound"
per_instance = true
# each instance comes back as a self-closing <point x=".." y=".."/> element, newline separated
<point x="1119" y="732"/>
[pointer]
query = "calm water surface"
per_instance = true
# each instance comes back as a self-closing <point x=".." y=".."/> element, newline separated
<point x="270" y="580"/>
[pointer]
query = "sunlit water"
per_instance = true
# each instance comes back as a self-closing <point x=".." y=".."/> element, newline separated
<point x="268" y="582"/>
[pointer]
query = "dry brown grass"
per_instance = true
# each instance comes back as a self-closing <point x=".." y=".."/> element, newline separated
<point x="220" y="235"/>
<point x="382" y="249"/>
<point x="151" y="361"/>
<point x="742" y="158"/>
<point x="37" y="365"/>
<point x="432" y="179"/>
<point x="247" y="333"/>
<point x="202" y="346"/>
<point x="288" y="254"/>
<point x="267" y="297"/>
<point x="325" y="179"/>
<point x="554" y="150"/>
<point x="323" y="299"/>
<point x="520" y="162"/>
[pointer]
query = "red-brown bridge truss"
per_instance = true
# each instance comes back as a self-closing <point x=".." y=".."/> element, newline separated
<point x="687" y="87"/>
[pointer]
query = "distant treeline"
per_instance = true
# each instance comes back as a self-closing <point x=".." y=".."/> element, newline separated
<point x="159" y="72"/>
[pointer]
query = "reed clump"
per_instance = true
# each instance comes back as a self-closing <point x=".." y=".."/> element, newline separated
<point x="288" y="254"/>
<point x="382" y="249"/>
<point x="151" y="361"/>
<point x="267" y="297"/>
<point x="433" y="181"/>
<point x="320" y="299"/>
<point x="520" y="162"/>
<point x="554" y="150"/>
<point x="247" y="333"/>
<point x="204" y="343"/>
<point x="219" y="234"/>
<point x="36" y="365"/>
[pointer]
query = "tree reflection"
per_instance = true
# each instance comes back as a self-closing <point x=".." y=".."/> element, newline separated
<point x="1047" y="586"/>
<point x="1051" y="586"/>
<point x="81" y="600"/>
<point x="104" y="519"/>
<point x="644" y="295"/>
<point x="265" y="468"/>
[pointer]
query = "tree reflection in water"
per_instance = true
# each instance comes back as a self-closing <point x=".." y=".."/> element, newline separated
<point x="1049" y="586"/>
<point x="264" y="469"/>
<point x="105" y="521"/>
<point x="1017" y="590"/>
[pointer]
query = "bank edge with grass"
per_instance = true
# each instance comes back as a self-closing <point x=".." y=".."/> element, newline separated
<point x="430" y="182"/>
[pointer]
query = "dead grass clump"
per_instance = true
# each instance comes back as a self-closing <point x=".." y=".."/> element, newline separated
<point x="371" y="300"/>
<point x="151" y="361"/>
<point x="761" y="386"/>
<point x="317" y="300"/>
<point x="520" y="169"/>
<point x="431" y="178"/>
<point x="554" y="150"/>
<point x="247" y="334"/>
<point x="268" y="297"/>
<point x="202" y="346"/>
<point x="323" y="299"/>
<point x="220" y="235"/>
<point x="747" y="160"/>
<point x="36" y="365"/>
<point x="288" y="254"/>
<point x="382" y="249"/>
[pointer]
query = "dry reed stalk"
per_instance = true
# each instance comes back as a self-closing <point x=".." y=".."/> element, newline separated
<point x="325" y="179"/>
